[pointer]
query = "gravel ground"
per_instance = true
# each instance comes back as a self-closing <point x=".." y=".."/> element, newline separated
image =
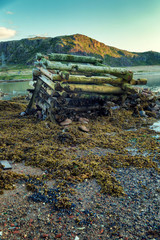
<point x="94" y="216"/>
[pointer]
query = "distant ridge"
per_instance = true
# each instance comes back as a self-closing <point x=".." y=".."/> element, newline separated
<point x="23" y="51"/>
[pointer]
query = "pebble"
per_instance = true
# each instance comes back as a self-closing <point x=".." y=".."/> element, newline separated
<point x="115" y="107"/>
<point x="66" y="122"/>
<point x="59" y="235"/>
<point x="76" y="238"/>
<point x="16" y="232"/>
<point x="142" y="113"/>
<point x="22" y="114"/>
<point x="83" y="128"/>
<point x="45" y="235"/>
<point x="83" y="120"/>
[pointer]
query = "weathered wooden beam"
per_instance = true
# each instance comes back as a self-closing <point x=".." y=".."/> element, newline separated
<point x="70" y="58"/>
<point x="98" y="80"/>
<point x="103" y="90"/>
<point x="139" y="81"/>
<point x="47" y="81"/>
<point x="121" y="73"/>
<point x="34" y="95"/>
<point x="93" y="80"/>
<point x="65" y="77"/>
<point x="129" y="88"/>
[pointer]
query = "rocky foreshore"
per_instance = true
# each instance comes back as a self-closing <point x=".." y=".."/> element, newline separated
<point x="76" y="184"/>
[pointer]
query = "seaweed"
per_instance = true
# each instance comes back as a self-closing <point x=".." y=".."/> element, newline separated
<point x="70" y="155"/>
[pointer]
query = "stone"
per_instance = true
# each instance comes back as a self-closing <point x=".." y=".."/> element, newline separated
<point x="83" y="128"/>
<point x="6" y="165"/>
<point x="66" y="122"/>
<point x="142" y="113"/>
<point x="83" y="120"/>
<point x="39" y="114"/>
<point x="115" y="107"/>
<point x="76" y="238"/>
<point x="110" y="104"/>
<point x="22" y="114"/>
<point x="156" y="107"/>
<point x="58" y="235"/>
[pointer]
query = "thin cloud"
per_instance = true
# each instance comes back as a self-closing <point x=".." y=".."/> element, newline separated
<point x="9" y="13"/>
<point x="6" y="33"/>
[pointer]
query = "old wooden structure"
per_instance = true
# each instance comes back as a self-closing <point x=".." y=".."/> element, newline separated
<point x="62" y="79"/>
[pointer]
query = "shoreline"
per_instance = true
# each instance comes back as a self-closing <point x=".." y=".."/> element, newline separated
<point x="144" y="69"/>
<point x="14" y="80"/>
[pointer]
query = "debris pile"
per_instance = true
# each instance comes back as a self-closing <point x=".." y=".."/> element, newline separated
<point x="67" y="86"/>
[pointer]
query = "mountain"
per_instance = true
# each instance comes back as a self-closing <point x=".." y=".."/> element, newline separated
<point x="24" y="51"/>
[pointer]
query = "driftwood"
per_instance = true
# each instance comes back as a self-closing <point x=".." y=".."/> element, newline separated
<point x="98" y="80"/>
<point x="73" y="58"/>
<point x="103" y="90"/>
<point x="34" y="95"/>
<point x="121" y="73"/>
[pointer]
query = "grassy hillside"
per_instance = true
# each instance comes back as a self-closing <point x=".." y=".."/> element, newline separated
<point x="16" y="72"/>
<point x="24" y="51"/>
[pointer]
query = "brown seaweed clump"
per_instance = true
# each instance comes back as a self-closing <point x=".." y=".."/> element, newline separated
<point x="8" y="179"/>
<point x="70" y="155"/>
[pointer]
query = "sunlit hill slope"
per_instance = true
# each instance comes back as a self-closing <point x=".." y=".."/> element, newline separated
<point x="23" y="51"/>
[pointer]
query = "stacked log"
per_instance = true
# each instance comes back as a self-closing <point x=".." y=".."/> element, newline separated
<point x="59" y="78"/>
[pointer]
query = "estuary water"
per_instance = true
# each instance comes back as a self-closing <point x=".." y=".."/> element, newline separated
<point x="153" y="80"/>
<point x="14" y="89"/>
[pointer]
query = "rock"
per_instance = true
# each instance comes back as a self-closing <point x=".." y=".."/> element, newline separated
<point x="83" y="120"/>
<point x="156" y="107"/>
<point x="110" y="104"/>
<point x="45" y="235"/>
<point x="59" y="235"/>
<point x="76" y="238"/>
<point x="39" y="114"/>
<point x="66" y="122"/>
<point x="83" y="128"/>
<point x="22" y="114"/>
<point x="6" y="165"/>
<point x="115" y="107"/>
<point x="142" y="113"/>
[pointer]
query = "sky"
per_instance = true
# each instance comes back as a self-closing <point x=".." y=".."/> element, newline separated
<point x="131" y="25"/>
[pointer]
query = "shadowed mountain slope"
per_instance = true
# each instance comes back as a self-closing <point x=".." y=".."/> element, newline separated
<point x="23" y="51"/>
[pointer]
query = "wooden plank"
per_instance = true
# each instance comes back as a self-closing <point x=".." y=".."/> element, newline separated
<point x="82" y="88"/>
<point x="70" y="58"/>
<point x="34" y="95"/>
<point x="65" y="76"/>
<point x="121" y="73"/>
<point x="103" y="90"/>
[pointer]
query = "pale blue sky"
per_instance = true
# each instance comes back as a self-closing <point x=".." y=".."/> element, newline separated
<point x="126" y="24"/>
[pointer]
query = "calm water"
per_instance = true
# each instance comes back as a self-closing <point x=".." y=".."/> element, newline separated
<point x="14" y="89"/>
<point x="153" y="80"/>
